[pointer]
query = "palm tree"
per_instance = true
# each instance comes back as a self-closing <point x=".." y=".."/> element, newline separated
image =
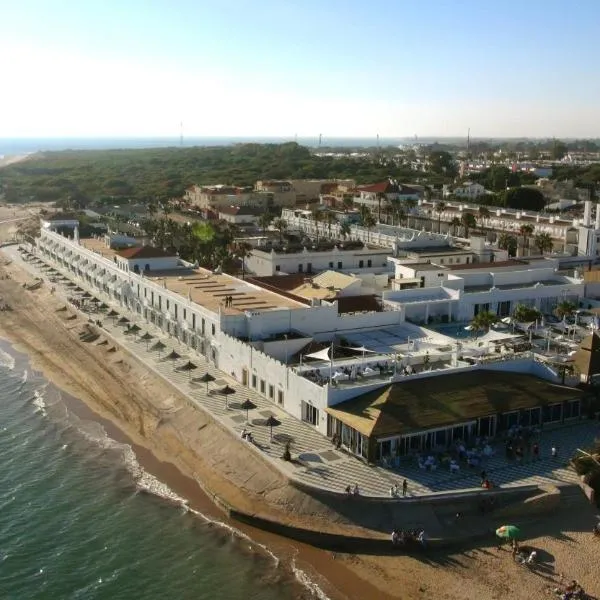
<point x="455" y="223"/>
<point x="439" y="208"/>
<point x="410" y="204"/>
<point x="526" y="230"/>
<point x="484" y="320"/>
<point x="368" y="223"/>
<point x="264" y="221"/>
<point x="317" y="217"/>
<point x="345" y="229"/>
<point x="281" y="225"/>
<point x="330" y="218"/>
<point x="565" y="309"/>
<point x="484" y="213"/>
<point x="348" y="202"/>
<point x="508" y="242"/>
<point x="467" y="220"/>
<point x="525" y="314"/>
<point x="543" y="242"/>
<point x="241" y="251"/>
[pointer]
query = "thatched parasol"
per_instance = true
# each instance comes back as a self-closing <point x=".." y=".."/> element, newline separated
<point x="172" y="355"/>
<point x="123" y="321"/>
<point x="135" y="329"/>
<point x="147" y="337"/>
<point x="272" y="422"/>
<point x="226" y="391"/>
<point x="248" y="405"/>
<point x="158" y="346"/>
<point x="189" y="367"/>
<point x="206" y="378"/>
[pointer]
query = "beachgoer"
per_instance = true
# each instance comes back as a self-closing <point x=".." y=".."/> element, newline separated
<point x="356" y="491"/>
<point x="392" y="492"/>
<point x="422" y="538"/>
<point x="396" y="490"/>
<point x="554" y="451"/>
<point x="349" y="490"/>
<point x="404" y="487"/>
<point x="244" y="433"/>
<point x="395" y="537"/>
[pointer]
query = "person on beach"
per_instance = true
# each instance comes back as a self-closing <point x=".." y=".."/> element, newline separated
<point x="404" y="487"/>
<point x="356" y="491"/>
<point x="554" y="452"/>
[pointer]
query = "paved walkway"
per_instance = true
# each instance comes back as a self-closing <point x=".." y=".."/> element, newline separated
<point x="319" y="464"/>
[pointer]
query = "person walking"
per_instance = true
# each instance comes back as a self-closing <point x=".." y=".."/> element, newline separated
<point x="404" y="487"/>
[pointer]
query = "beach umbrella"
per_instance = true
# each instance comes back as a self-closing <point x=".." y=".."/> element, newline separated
<point x="123" y="321"/>
<point x="206" y="378"/>
<point x="95" y="300"/>
<point x="71" y="284"/>
<point x="172" y="355"/>
<point x="147" y="337"/>
<point x="158" y="346"/>
<point x="226" y="391"/>
<point x="135" y="329"/>
<point x="248" y="405"/>
<point x="189" y="367"/>
<point x="103" y="306"/>
<point x="86" y="295"/>
<point x="272" y="422"/>
<point x="508" y="532"/>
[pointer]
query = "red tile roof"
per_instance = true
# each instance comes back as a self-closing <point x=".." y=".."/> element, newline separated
<point x="376" y="188"/>
<point x="138" y="252"/>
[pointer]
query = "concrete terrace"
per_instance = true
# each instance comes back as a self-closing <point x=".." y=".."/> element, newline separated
<point x="317" y="463"/>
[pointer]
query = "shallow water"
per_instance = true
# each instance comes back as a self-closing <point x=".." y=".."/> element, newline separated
<point x="73" y="523"/>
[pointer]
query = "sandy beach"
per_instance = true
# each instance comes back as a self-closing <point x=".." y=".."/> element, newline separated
<point x="181" y="445"/>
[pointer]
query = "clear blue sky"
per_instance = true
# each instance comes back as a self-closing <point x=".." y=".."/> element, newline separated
<point x="278" y="68"/>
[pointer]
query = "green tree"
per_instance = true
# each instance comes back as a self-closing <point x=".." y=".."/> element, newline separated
<point x="468" y="221"/>
<point x="410" y="204"/>
<point x="345" y="229"/>
<point x="264" y="221"/>
<point x="330" y="219"/>
<point x="525" y="314"/>
<point x="348" y="203"/>
<point x="317" y="217"/>
<point x="484" y="320"/>
<point x="543" y="242"/>
<point x="565" y="309"/>
<point x="455" y="224"/>
<point x="526" y="230"/>
<point x="524" y="198"/>
<point x="281" y="226"/>
<point x="439" y="208"/>
<point x="508" y="242"/>
<point x="559" y="150"/>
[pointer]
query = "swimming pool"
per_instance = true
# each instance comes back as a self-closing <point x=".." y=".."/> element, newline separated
<point x="456" y="331"/>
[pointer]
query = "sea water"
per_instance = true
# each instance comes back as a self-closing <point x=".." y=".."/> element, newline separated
<point x="74" y="525"/>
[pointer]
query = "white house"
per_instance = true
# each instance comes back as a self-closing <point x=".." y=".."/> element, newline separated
<point x="468" y="190"/>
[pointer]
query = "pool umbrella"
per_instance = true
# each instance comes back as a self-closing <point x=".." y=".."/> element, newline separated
<point x="189" y="367"/>
<point x="248" y="405"/>
<point x="508" y="532"/>
<point x="226" y="391"/>
<point x="206" y="378"/>
<point x="147" y="337"/>
<point x="272" y="422"/>
<point x="135" y="329"/>
<point x="158" y="346"/>
<point x="172" y="355"/>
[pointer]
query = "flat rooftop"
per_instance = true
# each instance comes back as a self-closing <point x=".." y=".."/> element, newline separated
<point x="208" y="289"/>
<point x="424" y="266"/>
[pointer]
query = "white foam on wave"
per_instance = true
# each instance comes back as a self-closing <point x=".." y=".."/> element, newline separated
<point x="7" y="360"/>
<point x="303" y="578"/>
<point x="236" y="533"/>
<point x="39" y="402"/>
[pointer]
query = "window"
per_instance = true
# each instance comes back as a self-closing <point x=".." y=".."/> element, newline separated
<point x="309" y="267"/>
<point x="271" y="392"/>
<point x="176" y="307"/>
<point x="300" y="268"/>
<point x="310" y="414"/>
<point x="145" y="292"/>
<point x="160" y="302"/>
<point x="184" y="314"/>
<point x="213" y="328"/>
<point x="278" y="267"/>
<point x="442" y="261"/>
<point x="168" y="303"/>
<point x="369" y="263"/>
<point x="147" y="267"/>
<point x="280" y="397"/>
<point x="361" y="264"/>
<point x="262" y="386"/>
<point x="331" y="265"/>
<point x="203" y="326"/>
<point x="254" y="380"/>
<point x="339" y="264"/>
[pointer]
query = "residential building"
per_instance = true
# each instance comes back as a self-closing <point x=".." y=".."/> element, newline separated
<point x="468" y="190"/>
<point x="347" y="257"/>
<point x="211" y="197"/>
<point x="240" y="215"/>
<point x="378" y="195"/>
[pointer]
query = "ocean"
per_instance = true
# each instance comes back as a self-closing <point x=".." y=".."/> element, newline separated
<point x="76" y="524"/>
<point x="18" y="146"/>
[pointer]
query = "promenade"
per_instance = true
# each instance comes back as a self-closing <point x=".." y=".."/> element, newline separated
<point x="316" y="463"/>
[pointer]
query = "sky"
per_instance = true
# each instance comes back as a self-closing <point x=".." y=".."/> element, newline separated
<point x="343" y="68"/>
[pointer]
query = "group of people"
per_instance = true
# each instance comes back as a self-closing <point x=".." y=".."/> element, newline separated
<point x="247" y="435"/>
<point x="228" y="301"/>
<point x="400" y="537"/>
<point x="395" y="490"/>
<point x="352" y="490"/>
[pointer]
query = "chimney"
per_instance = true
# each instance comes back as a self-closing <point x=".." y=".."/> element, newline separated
<point x="587" y="214"/>
<point x="598" y="216"/>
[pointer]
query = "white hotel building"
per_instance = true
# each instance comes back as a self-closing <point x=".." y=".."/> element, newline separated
<point x="262" y="338"/>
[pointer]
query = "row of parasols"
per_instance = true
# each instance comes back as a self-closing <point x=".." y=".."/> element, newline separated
<point x="159" y="346"/>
